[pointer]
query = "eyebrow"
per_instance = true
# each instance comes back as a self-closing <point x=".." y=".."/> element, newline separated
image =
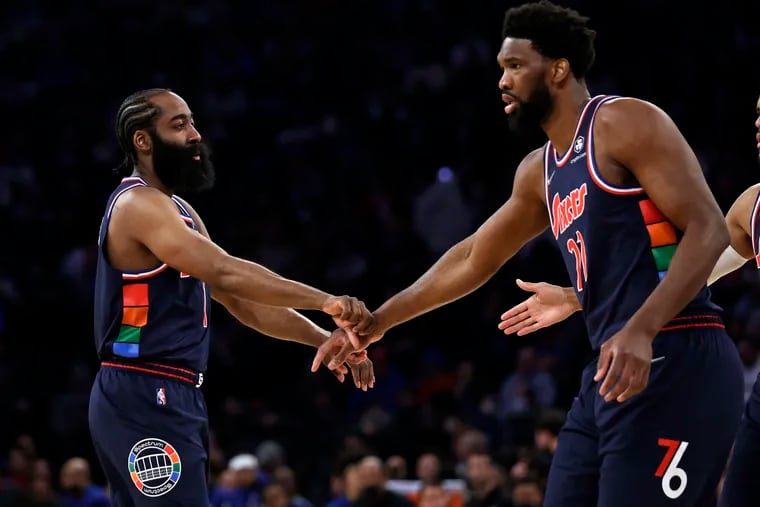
<point x="181" y="116"/>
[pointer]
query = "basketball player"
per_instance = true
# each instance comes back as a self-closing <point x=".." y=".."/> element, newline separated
<point x="157" y="270"/>
<point x="639" y="230"/>
<point x="550" y="304"/>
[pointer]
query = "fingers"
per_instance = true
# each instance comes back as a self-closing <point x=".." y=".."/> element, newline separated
<point x="364" y="375"/>
<point x="517" y="322"/>
<point x="611" y="377"/>
<point x="341" y="356"/>
<point x="602" y="365"/>
<point x="515" y="311"/>
<point x="357" y="357"/>
<point x="338" y="375"/>
<point x="618" y="382"/>
<point x="637" y="383"/>
<point x="529" y="328"/>
<point x="320" y="356"/>
<point x="528" y="286"/>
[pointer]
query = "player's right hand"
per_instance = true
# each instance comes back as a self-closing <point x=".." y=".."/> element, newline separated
<point x="547" y="305"/>
<point x="336" y="351"/>
<point x="347" y="311"/>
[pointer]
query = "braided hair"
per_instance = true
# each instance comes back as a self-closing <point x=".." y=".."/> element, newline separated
<point x="135" y="113"/>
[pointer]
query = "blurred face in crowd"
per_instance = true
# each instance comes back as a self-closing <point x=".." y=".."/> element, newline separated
<point x="527" y="494"/>
<point x="433" y="495"/>
<point x="523" y="84"/>
<point x="428" y="467"/>
<point x="479" y="470"/>
<point x="275" y="495"/>
<point x="180" y="158"/>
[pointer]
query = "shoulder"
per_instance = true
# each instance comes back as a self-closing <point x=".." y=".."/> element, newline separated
<point x="194" y="214"/>
<point x="529" y="175"/>
<point x="141" y="199"/>
<point x="630" y="114"/>
<point x="742" y="209"/>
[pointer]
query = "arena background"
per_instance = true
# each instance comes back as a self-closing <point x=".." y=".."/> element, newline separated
<point x="354" y="142"/>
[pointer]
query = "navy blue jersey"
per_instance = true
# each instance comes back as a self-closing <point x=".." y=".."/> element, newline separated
<point x="755" y="227"/>
<point x="616" y="244"/>
<point x="155" y="315"/>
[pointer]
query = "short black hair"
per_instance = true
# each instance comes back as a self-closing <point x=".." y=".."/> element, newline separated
<point x="554" y="31"/>
<point x="135" y="113"/>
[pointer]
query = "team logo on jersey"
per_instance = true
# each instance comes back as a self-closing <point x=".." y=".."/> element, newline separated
<point x="154" y="466"/>
<point x="161" y="396"/>
<point x="568" y="209"/>
<point x="578" y="147"/>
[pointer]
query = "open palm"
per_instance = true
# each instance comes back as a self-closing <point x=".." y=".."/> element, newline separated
<point x="546" y="306"/>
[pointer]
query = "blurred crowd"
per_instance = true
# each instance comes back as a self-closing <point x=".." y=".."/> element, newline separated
<point x="354" y="143"/>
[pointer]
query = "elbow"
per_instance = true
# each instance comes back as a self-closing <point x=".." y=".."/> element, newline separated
<point x="716" y="237"/>
<point x="222" y="274"/>
<point x="721" y="236"/>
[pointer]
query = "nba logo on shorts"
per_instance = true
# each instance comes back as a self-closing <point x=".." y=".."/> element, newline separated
<point x="161" y="396"/>
<point x="154" y="466"/>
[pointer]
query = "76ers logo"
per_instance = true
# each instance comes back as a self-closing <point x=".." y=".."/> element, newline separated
<point x="154" y="466"/>
<point x="668" y="468"/>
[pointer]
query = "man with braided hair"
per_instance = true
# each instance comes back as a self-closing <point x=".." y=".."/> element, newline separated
<point x="157" y="271"/>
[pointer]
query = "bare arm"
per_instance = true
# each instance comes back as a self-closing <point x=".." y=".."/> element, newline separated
<point x="643" y="139"/>
<point x="277" y="322"/>
<point x="739" y="222"/>
<point x="470" y="263"/>
<point x="150" y="218"/>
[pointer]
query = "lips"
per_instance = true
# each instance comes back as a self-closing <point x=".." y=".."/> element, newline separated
<point x="510" y="102"/>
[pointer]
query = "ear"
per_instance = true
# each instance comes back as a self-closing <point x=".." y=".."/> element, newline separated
<point x="142" y="141"/>
<point x="560" y="70"/>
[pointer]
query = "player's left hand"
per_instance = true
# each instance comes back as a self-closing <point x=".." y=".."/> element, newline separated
<point x="362" y="370"/>
<point x="335" y="352"/>
<point x="624" y="364"/>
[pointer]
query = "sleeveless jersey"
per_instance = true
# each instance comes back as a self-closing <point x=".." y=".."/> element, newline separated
<point x="616" y="244"/>
<point x="156" y="315"/>
<point x="755" y="228"/>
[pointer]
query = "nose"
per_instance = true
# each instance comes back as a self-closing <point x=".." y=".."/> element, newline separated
<point x="194" y="136"/>
<point x="505" y="83"/>
<point x="757" y="123"/>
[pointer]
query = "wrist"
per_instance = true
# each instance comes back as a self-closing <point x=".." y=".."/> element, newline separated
<point x="381" y="321"/>
<point x="572" y="299"/>
<point x="643" y="327"/>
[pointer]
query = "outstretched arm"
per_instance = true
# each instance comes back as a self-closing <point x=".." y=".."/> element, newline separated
<point x="150" y="218"/>
<point x="550" y="304"/>
<point x="287" y="324"/>
<point x="470" y="263"/>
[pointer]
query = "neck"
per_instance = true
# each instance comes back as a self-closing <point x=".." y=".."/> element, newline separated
<point x="145" y="172"/>
<point x="568" y="105"/>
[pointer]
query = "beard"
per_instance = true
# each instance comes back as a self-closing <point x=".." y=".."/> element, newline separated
<point x="178" y="170"/>
<point x="530" y="113"/>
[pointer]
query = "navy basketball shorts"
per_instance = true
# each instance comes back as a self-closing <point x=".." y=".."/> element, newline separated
<point x="666" y="446"/>
<point x="149" y="426"/>
<point x="740" y="488"/>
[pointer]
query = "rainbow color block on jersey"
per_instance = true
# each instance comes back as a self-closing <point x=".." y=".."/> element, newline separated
<point x="135" y="301"/>
<point x="662" y="236"/>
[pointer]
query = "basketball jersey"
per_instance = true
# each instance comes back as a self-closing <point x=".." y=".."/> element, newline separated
<point x="155" y="315"/>
<point x="755" y="226"/>
<point x="616" y="244"/>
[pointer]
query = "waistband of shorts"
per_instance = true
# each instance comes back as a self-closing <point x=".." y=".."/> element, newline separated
<point x="696" y="320"/>
<point x="182" y="374"/>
